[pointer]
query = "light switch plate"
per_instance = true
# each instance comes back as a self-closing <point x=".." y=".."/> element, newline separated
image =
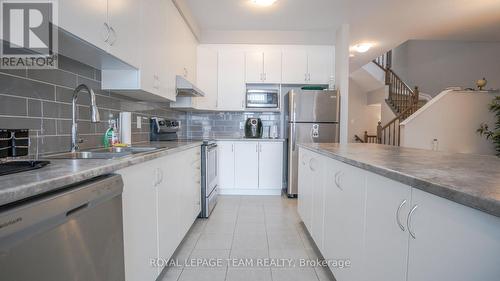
<point x="139" y="122"/>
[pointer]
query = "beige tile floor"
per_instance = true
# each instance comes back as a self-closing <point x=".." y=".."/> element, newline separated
<point x="258" y="228"/>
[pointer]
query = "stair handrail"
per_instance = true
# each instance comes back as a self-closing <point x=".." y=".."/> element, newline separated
<point x="396" y="135"/>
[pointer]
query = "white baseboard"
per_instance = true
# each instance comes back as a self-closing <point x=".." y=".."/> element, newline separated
<point x="250" y="191"/>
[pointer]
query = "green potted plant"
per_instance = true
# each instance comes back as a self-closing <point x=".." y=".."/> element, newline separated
<point x="493" y="135"/>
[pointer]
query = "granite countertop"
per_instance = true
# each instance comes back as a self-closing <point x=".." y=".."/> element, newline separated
<point x="468" y="179"/>
<point x="63" y="172"/>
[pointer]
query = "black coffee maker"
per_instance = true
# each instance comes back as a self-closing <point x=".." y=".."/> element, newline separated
<point x="253" y="128"/>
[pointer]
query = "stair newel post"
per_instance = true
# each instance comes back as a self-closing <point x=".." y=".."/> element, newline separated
<point x="389" y="59"/>
<point x="365" y="138"/>
<point x="379" y="132"/>
<point x="417" y="92"/>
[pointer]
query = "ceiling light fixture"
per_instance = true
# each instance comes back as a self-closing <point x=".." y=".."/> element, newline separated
<point x="263" y="3"/>
<point x="363" y="47"/>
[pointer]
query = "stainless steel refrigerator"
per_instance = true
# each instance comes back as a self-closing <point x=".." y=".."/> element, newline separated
<point x="313" y="117"/>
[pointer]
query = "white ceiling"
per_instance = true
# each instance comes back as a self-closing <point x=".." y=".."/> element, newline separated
<point x="387" y="23"/>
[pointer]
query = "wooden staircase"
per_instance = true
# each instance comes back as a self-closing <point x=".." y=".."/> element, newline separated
<point x="403" y="100"/>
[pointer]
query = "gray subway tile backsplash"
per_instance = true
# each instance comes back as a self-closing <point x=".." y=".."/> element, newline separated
<point x="53" y="76"/>
<point x="34" y="108"/>
<point x="40" y="100"/>
<point x="13" y="106"/>
<point x="76" y="67"/>
<point x="21" y="87"/>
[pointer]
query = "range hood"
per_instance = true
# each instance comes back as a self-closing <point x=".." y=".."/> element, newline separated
<point x="185" y="88"/>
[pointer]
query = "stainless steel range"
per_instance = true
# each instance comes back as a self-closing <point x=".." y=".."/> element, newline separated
<point x="209" y="177"/>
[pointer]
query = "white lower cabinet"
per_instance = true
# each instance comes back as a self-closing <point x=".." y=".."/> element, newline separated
<point x="344" y="217"/>
<point x="250" y="167"/>
<point x="246" y="165"/>
<point x="305" y="202"/>
<point x="270" y="165"/>
<point x="391" y="231"/>
<point x="140" y="220"/>
<point x="386" y="239"/>
<point x="226" y="164"/>
<point x="312" y="194"/>
<point x="161" y="200"/>
<point x="452" y="241"/>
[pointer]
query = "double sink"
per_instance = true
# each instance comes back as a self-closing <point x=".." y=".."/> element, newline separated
<point x="103" y="153"/>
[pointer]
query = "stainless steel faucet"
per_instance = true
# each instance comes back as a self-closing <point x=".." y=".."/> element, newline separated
<point x="94" y="112"/>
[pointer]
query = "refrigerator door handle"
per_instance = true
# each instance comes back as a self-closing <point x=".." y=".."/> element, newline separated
<point x="293" y="136"/>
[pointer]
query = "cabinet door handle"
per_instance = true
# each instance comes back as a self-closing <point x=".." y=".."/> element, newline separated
<point x="338" y="180"/>
<point x="108" y="32"/>
<point x="311" y="164"/>
<point x="305" y="77"/>
<point x="114" y="36"/>
<point x="397" y="215"/>
<point x="408" y="222"/>
<point x="243" y="104"/>
<point x="156" y="178"/>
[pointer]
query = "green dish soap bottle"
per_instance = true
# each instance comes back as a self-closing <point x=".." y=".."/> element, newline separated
<point x="108" y="135"/>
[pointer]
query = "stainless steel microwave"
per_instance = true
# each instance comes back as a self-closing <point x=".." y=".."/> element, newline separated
<point x="262" y="98"/>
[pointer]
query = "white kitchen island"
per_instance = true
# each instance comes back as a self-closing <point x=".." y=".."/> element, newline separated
<point x="402" y="214"/>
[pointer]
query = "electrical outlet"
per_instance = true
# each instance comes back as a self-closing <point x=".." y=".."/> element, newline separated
<point x="139" y="122"/>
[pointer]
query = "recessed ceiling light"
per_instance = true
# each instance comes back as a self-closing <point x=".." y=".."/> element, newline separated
<point x="363" y="47"/>
<point x="263" y="3"/>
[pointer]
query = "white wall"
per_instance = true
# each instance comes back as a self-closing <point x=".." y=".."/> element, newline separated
<point x="437" y="65"/>
<point x="342" y="78"/>
<point x="386" y="113"/>
<point x="362" y="117"/>
<point x="452" y="118"/>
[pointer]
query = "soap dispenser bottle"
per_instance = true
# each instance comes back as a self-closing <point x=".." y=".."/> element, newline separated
<point x="109" y="135"/>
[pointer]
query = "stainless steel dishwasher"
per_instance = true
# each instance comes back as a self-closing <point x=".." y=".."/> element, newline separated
<point x="72" y="234"/>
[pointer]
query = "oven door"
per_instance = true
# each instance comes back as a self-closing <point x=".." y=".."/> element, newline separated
<point x="212" y="166"/>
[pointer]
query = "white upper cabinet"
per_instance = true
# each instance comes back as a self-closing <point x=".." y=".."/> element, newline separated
<point x="263" y="67"/>
<point x="105" y="24"/>
<point x="320" y="64"/>
<point x="123" y="42"/>
<point x="206" y="77"/>
<point x="181" y="47"/>
<point x="272" y="67"/>
<point x="294" y="66"/>
<point x="254" y="67"/>
<point x="310" y="65"/>
<point x="166" y="48"/>
<point x="87" y="19"/>
<point x="231" y="82"/>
